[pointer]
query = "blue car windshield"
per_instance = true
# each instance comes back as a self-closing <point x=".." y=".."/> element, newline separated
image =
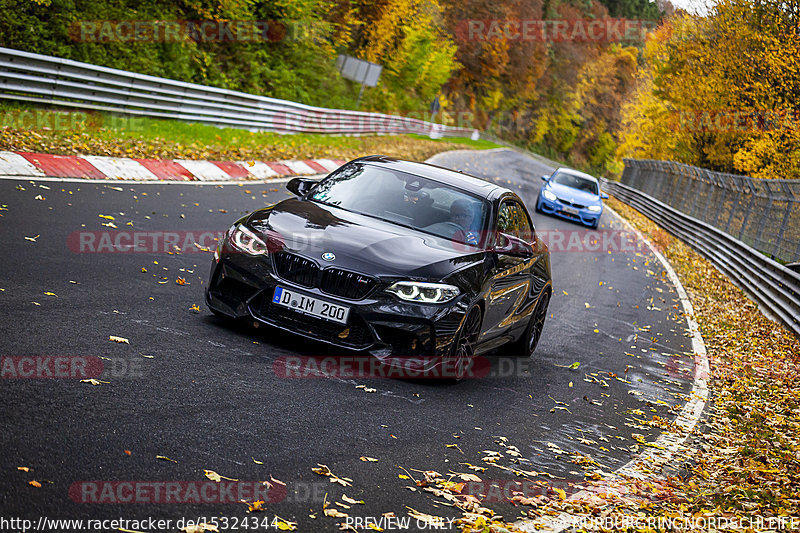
<point x="406" y="199"/>
<point x="575" y="182"/>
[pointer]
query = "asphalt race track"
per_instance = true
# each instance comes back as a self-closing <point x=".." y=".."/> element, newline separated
<point x="206" y="395"/>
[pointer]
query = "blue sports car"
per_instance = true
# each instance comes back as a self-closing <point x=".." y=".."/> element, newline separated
<point x="572" y="195"/>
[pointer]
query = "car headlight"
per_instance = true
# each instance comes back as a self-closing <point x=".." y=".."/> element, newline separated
<point x="595" y="208"/>
<point x="428" y="293"/>
<point x="550" y="196"/>
<point x="245" y="240"/>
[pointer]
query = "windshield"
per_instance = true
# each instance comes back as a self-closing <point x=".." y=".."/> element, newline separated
<point x="575" y="182"/>
<point x="412" y="201"/>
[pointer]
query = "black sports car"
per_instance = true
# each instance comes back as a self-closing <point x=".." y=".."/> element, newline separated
<point x="405" y="260"/>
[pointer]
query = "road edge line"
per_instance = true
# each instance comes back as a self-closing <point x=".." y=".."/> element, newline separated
<point x="667" y="443"/>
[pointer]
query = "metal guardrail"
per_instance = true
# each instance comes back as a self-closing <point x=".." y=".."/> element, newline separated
<point x="773" y="286"/>
<point x="764" y="213"/>
<point x="25" y="76"/>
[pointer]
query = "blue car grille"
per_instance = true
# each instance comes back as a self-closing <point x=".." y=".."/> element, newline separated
<point x="576" y="206"/>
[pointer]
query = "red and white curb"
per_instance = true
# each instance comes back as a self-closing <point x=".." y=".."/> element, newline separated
<point x="25" y="164"/>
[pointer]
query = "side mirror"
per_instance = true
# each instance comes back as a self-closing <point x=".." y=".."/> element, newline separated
<point x="300" y="186"/>
<point x="545" y="178"/>
<point x="604" y="196"/>
<point x="509" y="245"/>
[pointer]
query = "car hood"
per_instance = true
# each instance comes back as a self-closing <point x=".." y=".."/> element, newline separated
<point x="573" y="195"/>
<point x="359" y="242"/>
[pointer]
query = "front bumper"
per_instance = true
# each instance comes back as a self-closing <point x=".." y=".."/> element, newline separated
<point x="242" y="286"/>
<point x="559" y="209"/>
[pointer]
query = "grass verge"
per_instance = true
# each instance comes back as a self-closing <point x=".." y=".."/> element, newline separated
<point x="31" y="128"/>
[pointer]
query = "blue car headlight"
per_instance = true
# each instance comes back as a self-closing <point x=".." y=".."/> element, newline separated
<point x="549" y="195"/>
<point x="595" y="208"/>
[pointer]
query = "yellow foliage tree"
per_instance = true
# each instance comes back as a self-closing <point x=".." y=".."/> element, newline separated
<point x="721" y="91"/>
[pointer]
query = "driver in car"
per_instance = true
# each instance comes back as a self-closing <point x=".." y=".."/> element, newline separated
<point x="461" y="214"/>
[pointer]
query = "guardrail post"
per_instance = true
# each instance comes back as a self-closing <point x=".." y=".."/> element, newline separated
<point x="699" y="186"/>
<point x="789" y="203"/>
<point x="749" y="209"/>
<point x="735" y="205"/>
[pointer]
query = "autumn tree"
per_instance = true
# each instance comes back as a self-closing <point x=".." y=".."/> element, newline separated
<point x="722" y="91"/>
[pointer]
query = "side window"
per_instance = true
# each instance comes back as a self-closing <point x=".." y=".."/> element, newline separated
<point x="505" y="219"/>
<point x="512" y="220"/>
<point x="525" y="229"/>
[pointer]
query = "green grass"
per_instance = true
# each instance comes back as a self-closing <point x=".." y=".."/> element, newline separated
<point x="98" y="133"/>
<point x="480" y="144"/>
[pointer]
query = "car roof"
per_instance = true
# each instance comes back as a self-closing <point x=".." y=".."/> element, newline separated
<point x="578" y="173"/>
<point x="454" y="178"/>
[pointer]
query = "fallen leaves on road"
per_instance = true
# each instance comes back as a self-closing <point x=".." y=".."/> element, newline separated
<point x="163" y="458"/>
<point x="93" y="381"/>
<point x="426" y="518"/>
<point x="323" y="470"/>
<point x="331" y="511"/>
<point x="121" y="340"/>
<point x="254" y="507"/>
<point x="213" y="476"/>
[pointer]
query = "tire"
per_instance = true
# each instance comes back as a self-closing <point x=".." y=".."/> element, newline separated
<point x="526" y="344"/>
<point x="466" y="340"/>
<point x="596" y="223"/>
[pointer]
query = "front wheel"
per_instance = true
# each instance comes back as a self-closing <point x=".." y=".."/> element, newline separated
<point x="526" y="345"/>
<point x="466" y="340"/>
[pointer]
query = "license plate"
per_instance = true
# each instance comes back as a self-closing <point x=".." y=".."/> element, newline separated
<point x="310" y="305"/>
<point x="569" y="210"/>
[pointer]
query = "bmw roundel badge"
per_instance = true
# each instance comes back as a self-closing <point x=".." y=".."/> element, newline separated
<point x="328" y="256"/>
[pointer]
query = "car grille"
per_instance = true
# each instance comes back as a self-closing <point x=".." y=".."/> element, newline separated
<point x="354" y="334"/>
<point x="346" y="284"/>
<point x="334" y="281"/>
<point x="296" y="269"/>
<point x="576" y="206"/>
